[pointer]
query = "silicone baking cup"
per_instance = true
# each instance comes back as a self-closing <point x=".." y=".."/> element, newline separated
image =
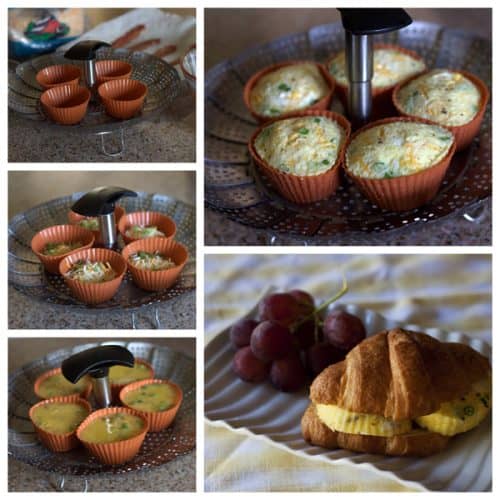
<point x="60" y="74"/>
<point x="118" y="452"/>
<point x="112" y="69"/>
<point x="58" y="442"/>
<point x="84" y="393"/>
<point x="122" y="98"/>
<point x="65" y="233"/>
<point x="307" y="188"/>
<point x="162" y="222"/>
<point x="322" y="104"/>
<point x="157" y="420"/>
<point x="464" y="134"/>
<point x="403" y="192"/>
<point x="94" y="293"/>
<point x="65" y="104"/>
<point x="382" y="105"/>
<point x="163" y="278"/>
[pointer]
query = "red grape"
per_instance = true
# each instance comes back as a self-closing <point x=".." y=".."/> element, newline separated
<point x="270" y="341"/>
<point x="321" y="355"/>
<point x="241" y="331"/>
<point x="305" y="299"/>
<point x="343" y="330"/>
<point x="288" y="374"/>
<point x="248" y="367"/>
<point x="281" y="308"/>
<point x="305" y="334"/>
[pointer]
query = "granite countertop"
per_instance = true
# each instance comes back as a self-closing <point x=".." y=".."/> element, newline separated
<point x="176" y="475"/>
<point x="170" y="137"/>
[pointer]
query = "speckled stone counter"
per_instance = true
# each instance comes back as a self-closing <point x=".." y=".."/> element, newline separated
<point x="451" y="230"/>
<point x="24" y="312"/>
<point x="170" y="137"/>
<point x="177" y="475"/>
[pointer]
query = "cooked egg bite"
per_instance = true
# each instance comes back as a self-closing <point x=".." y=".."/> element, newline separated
<point x="290" y="88"/>
<point x="390" y="66"/>
<point x="397" y="149"/>
<point x="445" y="97"/>
<point x="303" y="146"/>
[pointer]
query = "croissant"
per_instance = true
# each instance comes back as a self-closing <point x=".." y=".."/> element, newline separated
<point x="398" y="393"/>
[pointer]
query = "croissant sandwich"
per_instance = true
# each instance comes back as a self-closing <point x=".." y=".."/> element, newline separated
<point x="398" y="393"/>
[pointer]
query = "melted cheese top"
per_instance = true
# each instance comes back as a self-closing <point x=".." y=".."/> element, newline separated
<point x="442" y="96"/>
<point x="390" y="67"/>
<point x="301" y="146"/>
<point x="397" y="149"/>
<point x="287" y="89"/>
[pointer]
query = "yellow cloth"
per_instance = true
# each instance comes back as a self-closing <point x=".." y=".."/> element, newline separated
<point x="452" y="292"/>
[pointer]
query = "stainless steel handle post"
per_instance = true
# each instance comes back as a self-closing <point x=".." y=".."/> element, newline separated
<point x="102" y="391"/>
<point x="107" y="227"/>
<point x="359" y="61"/>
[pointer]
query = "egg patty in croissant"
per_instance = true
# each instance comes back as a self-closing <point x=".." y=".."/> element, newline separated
<point x="399" y="393"/>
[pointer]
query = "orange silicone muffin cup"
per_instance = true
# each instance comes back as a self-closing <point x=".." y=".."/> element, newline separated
<point x="322" y="104"/>
<point x="407" y="191"/>
<point x="94" y="293"/>
<point x="156" y="280"/>
<point x="59" y="74"/>
<point x="75" y="218"/>
<point x="122" y="98"/>
<point x="58" y="442"/>
<point x="310" y="188"/>
<point x="65" y="104"/>
<point x="464" y="134"/>
<point x="116" y="388"/>
<point x="118" y="452"/>
<point x="112" y="69"/>
<point x="163" y="222"/>
<point x="157" y="420"/>
<point x="59" y="234"/>
<point x="84" y="394"/>
<point x="382" y="106"/>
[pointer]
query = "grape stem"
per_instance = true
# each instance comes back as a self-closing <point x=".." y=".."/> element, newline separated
<point x="325" y="304"/>
<point x="337" y="296"/>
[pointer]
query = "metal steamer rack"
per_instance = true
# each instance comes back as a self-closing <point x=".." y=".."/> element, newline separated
<point x="158" y="447"/>
<point x="27" y="274"/>
<point x="235" y="187"/>
<point x="163" y="82"/>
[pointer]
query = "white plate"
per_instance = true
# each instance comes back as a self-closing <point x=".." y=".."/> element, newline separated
<point x="262" y="411"/>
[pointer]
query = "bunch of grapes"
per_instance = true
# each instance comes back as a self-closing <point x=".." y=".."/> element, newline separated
<point x="288" y="343"/>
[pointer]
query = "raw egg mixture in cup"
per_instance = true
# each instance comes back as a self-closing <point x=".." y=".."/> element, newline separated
<point x="56" y="421"/>
<point x="113" y="435"/>
<point x="157" y="400"/>
<point x="53" y="384"/>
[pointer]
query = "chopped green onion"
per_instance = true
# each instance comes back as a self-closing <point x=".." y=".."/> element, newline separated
<point x="284" y="87"/>
<point x="303" y="131"/>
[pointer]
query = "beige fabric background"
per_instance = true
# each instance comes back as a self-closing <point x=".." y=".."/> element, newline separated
<point x="452" y="292"/>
